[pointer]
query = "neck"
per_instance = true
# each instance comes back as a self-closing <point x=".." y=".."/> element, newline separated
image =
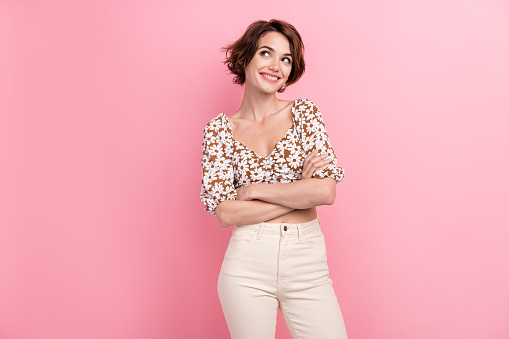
<point x="257" y="105"/>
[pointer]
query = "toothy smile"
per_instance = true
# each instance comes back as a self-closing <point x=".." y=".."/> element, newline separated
<point x="269" y="77"/>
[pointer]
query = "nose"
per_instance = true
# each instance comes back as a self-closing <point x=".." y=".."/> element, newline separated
<point x="274" y="65"/>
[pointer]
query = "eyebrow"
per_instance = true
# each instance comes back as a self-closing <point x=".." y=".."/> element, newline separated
<point x="272" y="50"/>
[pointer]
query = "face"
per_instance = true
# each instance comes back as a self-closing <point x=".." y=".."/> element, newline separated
<point x="271" y="65"/>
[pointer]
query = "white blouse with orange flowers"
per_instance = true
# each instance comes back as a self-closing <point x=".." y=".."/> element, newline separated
<point x="228" y="164"/>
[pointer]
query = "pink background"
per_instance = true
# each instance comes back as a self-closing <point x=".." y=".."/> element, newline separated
<point x="103" y="104"/>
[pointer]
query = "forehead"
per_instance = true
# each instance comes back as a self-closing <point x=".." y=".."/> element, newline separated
<point x="275" y="40"/>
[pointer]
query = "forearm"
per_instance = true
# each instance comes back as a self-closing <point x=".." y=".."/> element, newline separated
<point x="305" y="193"/>
<point x="241" y="212"/>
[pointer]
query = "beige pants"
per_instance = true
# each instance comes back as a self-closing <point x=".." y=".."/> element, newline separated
<point x="270" y="265"/>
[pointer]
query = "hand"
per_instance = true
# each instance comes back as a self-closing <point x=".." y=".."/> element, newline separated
<point x="244" y="193"/>
<point x="313" y="163"/>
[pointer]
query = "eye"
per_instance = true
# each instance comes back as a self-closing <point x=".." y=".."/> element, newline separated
<point x="287" y="60"/>
<point x="264" y="53"/>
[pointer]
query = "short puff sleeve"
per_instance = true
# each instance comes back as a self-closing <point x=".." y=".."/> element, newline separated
<point x="314" y="136"/>
<point x="217" y="170"/>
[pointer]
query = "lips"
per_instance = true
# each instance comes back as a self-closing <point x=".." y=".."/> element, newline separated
<point x="270" y="77"/>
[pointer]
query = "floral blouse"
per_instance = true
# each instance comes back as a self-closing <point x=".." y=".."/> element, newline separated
<point x="228" y="164"/>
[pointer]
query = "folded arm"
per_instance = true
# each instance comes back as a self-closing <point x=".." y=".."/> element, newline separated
<point x="243" y="212"/>
<point x="305" y="193"/>
<point x="260" y="202"/>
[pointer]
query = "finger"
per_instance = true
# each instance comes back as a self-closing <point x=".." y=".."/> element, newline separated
<point x="320" y="168"/>
<point x="320" y="158"/>
<point x="312" y="154"/>
<point x="313" y="162"/>
<point x="311" y="159"/>
<point x="320" y="165"/>
<point x="311" y="165"/>
<point x="319" y="161"/>
<point x="326" y="160"/>
<point x="307" y="172"/>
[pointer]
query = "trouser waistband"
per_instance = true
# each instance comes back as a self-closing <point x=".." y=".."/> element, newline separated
<point x="283" y="227"/>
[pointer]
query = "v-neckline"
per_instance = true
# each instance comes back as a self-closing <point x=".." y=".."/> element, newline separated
<point x="277" y="144"/>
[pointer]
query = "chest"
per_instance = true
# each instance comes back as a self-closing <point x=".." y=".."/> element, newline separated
<point x="283" y="164"/>
<point x="262" y="139"/>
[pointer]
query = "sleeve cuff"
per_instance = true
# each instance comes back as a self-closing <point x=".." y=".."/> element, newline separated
<point x="335" y="173"/>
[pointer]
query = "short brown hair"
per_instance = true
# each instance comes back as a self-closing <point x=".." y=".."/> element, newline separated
<point x="240" y="53"/>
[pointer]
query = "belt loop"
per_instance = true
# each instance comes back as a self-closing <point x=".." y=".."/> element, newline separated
<point x="299" y="235"/>
<point x="260" y="231"/>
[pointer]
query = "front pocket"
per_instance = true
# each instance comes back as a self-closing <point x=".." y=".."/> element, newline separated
<point x="315" y="240"/>
<point x="242" y="235"/>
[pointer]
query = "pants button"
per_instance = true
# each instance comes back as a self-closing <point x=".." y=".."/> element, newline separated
<point x="285" y="228"/>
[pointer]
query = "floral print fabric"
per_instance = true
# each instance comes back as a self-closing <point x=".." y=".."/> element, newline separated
<point x="228" y="164"/>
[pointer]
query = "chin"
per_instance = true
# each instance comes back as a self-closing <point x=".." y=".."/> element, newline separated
<point x="271" y="89"/>
<point x="270" y="92"/>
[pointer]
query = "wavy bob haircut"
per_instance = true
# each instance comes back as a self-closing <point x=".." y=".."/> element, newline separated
<point x="240" y="53"/>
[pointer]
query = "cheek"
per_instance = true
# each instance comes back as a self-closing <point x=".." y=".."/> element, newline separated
<point x="249" y="70"/>
<point x="288" y="71"/>
<point x="253" y="68"/>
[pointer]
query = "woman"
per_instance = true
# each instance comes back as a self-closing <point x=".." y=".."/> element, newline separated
<point x="265" y="169"/>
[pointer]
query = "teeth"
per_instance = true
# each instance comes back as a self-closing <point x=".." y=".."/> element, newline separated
<point x="269" y="77"/>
